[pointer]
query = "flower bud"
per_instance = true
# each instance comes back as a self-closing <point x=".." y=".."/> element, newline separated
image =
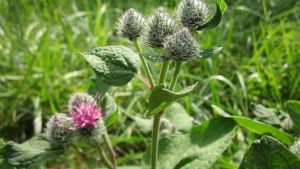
<point x="192" y="13"/>
<point x="79" y="98"/>
<point x="59" y="129"/>
<point x="159" y="26"/>
<point x="131" y="24"/>
<point x="181" y="46"/>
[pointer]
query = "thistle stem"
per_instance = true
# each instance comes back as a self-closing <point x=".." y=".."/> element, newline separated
<point x="155" y="139"/>
<point x="163" y="71"/>
<point x="156" y="120"/>
<point x="103" y="156"/>
<point x="110" y="148"/>
<point x="175" y="75"/>
<point x="144" y="62"/>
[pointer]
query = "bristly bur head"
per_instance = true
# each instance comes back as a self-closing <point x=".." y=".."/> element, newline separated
<point x="93" y="132"/>
<point x="159" y="26"/>
<point x="181" y="46"/>
<point x="131" y="24"/>
<point x="79" y="98"/>
<point x="98" y="130"/>
<point x="86" y="116"/>
<point x="59" y="129"/>
<point x="192" y="13"/>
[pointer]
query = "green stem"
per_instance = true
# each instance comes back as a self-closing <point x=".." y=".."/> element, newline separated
<point x="155" y="139"/>
<point x="103" y="156"/>
<point x="163" y="71"/>
<point x="175" y="75"/>
<point x="110" y="148"/>
<point x="156" y="120"/>
<point x="144" y="63"/>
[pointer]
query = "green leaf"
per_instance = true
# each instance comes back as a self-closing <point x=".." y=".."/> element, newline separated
<point x="268" y="153"/>
<point x="206" y="53"/>
<point x="198" y="149"/>
<point x="262" y="128"/>
<point x="3" y="163"/>
<point x="31" y="152"/>
<point x="177" y="115"/>
<point x="161" y="97"/>
<point x="216" y="19"/>
<point x="258" y="127"/>
<point x="110" y="110"/>
<point x="115" y="65"/>
<point x="293" y="108"/>
<point x="144" y="125"/>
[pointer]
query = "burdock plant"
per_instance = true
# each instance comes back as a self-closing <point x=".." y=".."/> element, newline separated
<point x="174" y="43"/>
<point x="177" y="45"/>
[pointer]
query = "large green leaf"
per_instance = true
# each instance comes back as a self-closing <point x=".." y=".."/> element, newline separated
<point x="293" y="108"/>
<point x="216" y="19"/>
<point x="3" y="163"/>
<point x="115" y="65"/>
<point x="258" y="127"/>
<point x="161" y="97"/>
<point x="178" y="116"/>
<point x="198" y="149"/>
<point x="144" y="125"/>
<point x="268" y="153"/>
<point x="30" y="153"/>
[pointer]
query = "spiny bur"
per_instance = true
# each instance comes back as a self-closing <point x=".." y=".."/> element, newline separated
<point x="131" y="24"/>
<point x="181" y="46"/>
<point x="159" y="26"/>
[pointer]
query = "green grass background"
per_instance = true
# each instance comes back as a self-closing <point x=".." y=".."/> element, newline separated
<point x="260" y="63"/>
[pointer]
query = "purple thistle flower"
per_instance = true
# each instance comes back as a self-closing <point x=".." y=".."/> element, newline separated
<point x="86" y="116"/>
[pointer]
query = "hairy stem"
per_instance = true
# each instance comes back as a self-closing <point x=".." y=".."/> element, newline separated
<point x="103" y="156"/>
<point x="163" y="71"/>
<point x="175" y="75"/>
<point x="155" y="139"/>
<point x="144" y="63"/>
<point x="110" y="148"/>
<point x="156" y="120"/>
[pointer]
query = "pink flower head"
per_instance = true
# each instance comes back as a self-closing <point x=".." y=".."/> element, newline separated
<point x="86" y="115"/>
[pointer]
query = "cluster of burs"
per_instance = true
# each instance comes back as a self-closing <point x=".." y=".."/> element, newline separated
<point x="173" y="36"/>
<point x="84" y="119"/>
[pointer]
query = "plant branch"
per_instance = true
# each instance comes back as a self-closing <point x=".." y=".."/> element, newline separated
<point x="103" y="156"/>
<point x="163" y="71"/>
<point x="144" y="62"/>
<point x="110" y="148"/>
<point x="175" y="75"/>
<point x="156" y="120"/>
